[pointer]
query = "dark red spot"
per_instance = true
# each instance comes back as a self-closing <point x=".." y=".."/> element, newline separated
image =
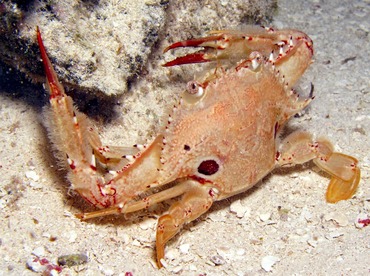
<point x="208" y="167"/>
<point x="211" y="192"/>
<point x="365" y="222"/>
<point x="43" y="261"/>
<point x="186" y="147"/>
<point x="277" y="155"/>
<point x="72" y="165"/>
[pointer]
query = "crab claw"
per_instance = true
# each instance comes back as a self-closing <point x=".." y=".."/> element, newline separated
<point x="56" y="89"/>
<point x="289" y="50"/>
<point x="222" y="44"/>
<point x="198" y="57"/>
<point x="209" y="43"/>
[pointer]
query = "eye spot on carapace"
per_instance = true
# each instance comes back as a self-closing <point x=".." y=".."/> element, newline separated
<point x="208" y="167"/>
<point x="186" y="147"/>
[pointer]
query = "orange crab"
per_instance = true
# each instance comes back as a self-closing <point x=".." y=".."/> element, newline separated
<point x="220" y="140"/>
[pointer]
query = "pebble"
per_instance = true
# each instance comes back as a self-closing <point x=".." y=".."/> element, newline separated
<point x="172" y="254"/>
<point x="240" y="252"/>
<point x="72" y="260"/>
<point x="361" y="217"/>
<point x="164" y="263"/>
<point x="217" y="260"/>
<point x="36" y="185"/>
<point x="193" y="267"/>
<point x="125" y="238"/>
<point x="136" y="243"/>
<point x="308" y="216"/>
<point x="46" y="235"/>
<point x="39" y="251"/>
<point x="177" y="269"/>
<point x="106" y="271"/>
<point x="265" y="217"/>
<point x="2" y="203"/>
<point x="184" y="248"/>
<point x="240" y="210"/>
<point x="218" y="216"/>
<point x="32" y="175"/>
<point x="226" y="252"/>
<point x="34" y="265"/>
<point x="43" y="265"/>
<point x="72" y="236"/>
<point x="268" y="262"/>
<point x="339" y="218"/>
<point x="300" y="231"/>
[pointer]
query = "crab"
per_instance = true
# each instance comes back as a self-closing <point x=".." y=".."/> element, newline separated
<point x="222" y="137"/>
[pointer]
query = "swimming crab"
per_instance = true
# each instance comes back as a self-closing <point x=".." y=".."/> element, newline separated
<point x="220" y="140"/>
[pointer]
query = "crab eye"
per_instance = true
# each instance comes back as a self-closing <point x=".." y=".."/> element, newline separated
<point x="208" y="167"/>
<point x="194" y="88"/>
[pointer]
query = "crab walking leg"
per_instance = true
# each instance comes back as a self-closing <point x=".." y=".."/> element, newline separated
<point x="345" y="176"/>
<point x="140" y="204"/>
<point x="195" y="202"/>
<point x="299" y="148"/>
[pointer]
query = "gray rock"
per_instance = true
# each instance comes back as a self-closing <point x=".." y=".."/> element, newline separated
<point x="100" y="46"/>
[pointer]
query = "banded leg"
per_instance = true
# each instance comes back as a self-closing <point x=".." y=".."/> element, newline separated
<point x="195" y="202"/>
<point x="77" y="143"/>
<point x="299" y="148"/>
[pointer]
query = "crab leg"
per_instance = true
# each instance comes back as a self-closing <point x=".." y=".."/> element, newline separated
<point x="81" y="152"/>
<point x="227" y="44"/>
<point x="68" y="130"/>
<point x="299" y="148"/>
<point x="139" y="205"/>
<point x="67" y="124"/>
<point x="67" y="120"/>
<point x="195" y="202"/>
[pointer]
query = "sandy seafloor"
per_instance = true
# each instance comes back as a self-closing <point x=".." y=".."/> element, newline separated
<point x="309" y="237"/>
